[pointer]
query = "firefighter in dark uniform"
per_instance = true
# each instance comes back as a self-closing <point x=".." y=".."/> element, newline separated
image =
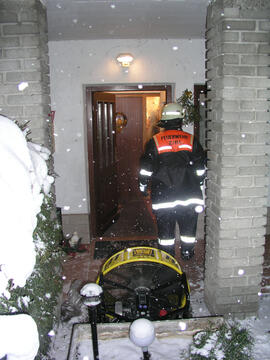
<point x="172" y="169"/>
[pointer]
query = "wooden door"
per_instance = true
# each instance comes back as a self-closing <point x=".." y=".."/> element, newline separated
<point x="105" y="170"/>
<point x="103" y="192"/>
<point x="129" y="146"/>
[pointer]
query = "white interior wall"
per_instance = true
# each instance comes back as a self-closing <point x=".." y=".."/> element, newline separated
<point x="77" y="63"/>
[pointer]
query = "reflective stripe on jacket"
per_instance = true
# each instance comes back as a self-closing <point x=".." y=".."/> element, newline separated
<point x="169" y="168"/>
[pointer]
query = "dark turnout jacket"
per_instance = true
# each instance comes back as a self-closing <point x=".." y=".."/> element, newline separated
<point x="173" y="166"/>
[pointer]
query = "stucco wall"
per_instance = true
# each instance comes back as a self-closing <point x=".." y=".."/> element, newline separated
<point x="77" y="63"/>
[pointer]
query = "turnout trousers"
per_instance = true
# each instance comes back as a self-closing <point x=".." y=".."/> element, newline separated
<point x="186" y="217"/>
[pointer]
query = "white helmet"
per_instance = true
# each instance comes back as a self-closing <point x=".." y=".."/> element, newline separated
<point x="172" y="111"/>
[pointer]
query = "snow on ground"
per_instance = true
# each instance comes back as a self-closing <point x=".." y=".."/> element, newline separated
<point x="160" y="349"/>
<point x="260" y="329"/>
<point x="166" y="348"/>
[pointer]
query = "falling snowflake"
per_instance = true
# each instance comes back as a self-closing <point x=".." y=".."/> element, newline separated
<point x="23" y="85"/>
<point x="241" y="272"/>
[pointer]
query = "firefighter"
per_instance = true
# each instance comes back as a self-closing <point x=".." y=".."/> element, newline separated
<point x="172" y="170"/>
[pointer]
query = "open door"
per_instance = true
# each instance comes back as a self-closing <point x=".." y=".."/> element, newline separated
<point x="112" y="155"/>
<point x="105" y="171"/>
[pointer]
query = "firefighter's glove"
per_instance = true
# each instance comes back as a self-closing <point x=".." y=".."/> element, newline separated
<point x="201" y="175"/>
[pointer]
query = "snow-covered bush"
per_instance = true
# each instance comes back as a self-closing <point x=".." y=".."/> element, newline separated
<point x="30" y="257"/>
<point x="40" y="295"/>
<point x="229" y="341"/>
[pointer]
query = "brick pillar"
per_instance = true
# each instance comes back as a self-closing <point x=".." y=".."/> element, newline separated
<point x="238" y="123"/>
<point x="24" y="58"/>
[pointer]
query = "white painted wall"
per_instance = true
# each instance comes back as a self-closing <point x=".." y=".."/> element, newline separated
<point x="77" y="63"/>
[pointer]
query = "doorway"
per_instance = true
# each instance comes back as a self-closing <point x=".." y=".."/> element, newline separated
<point x="117" y="208"/>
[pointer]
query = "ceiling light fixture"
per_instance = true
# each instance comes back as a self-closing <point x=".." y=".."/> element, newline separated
<point x="125" y="59"/>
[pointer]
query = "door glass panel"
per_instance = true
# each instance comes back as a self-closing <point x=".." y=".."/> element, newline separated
<point x="111" y="135"/>
<point x="99" y="135"/>
<point x="105" y="135"/>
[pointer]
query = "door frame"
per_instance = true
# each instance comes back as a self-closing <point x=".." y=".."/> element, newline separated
<point x="89" y="91"/>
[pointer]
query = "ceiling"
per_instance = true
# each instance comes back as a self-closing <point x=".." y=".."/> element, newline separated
<point x="125" y="19"/>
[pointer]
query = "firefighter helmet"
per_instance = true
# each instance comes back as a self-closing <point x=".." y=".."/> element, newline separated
<point x="172" y="111"/>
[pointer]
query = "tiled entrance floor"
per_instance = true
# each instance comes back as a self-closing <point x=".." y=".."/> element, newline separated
<point x="83" y="266"/>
